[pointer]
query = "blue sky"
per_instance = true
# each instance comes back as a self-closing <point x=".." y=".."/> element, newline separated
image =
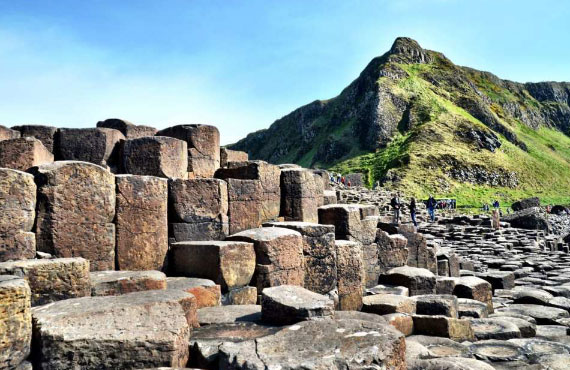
<point x="242" y="64"/>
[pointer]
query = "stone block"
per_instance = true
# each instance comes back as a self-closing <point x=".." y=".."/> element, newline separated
<point x="392" y="250"/>
<point x="300" y="195"/>
<point x="141" y="222"/>
<point x="349" y="275"/>
<point x="207" y="293"/>
<point x="198" y="209"/>
<point x="442" y="326"/>
<point x="267" y="197"/>
<point x="355" y="222"/>
<point x="45" y="134"/>
<point x="128" y="129"/>
<point x="329" y="197"/>
<point x="240" y="296"/>
<point x="23" y="153"/>
<point x="279" y="256"/>
<point x="52" y="279"/>
<point x="498" y="279"/>
<point x="319" y="254"/>
<point x="203" y="142"/>
<point x="156" y="156"/>
<point x="228" y="155"/>
<point x="100" y="146"/>
<point x="230" y="264"/>
<point x="289" y="304"/>
<point x="7" y="133"/>
<point x="76" y="208"/>
<point x="105" y="283"/>
<point x="472" y="287"/>
<point x="418" y="281"/>
<point x="15" y="321"/>
<point x="383" y="304"/>
<point x="436" y="304"/>
<point x="17" y="214"/>
<point x="130" y="331"/>
<point x="403" y="322"/>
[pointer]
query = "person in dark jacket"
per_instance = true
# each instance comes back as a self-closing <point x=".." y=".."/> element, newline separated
<point x="413" y="211"/>
<point x="395" y="203"/>
<point x="431" y="203"/>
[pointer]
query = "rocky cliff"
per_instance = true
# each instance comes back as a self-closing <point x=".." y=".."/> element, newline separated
<point x="415" y="120"/>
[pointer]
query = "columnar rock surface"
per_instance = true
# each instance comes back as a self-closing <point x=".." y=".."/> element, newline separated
<point x="203" y="145"/>
<point x="17" y="214"/>
<point x="129" y="130"/>
<point x="156" y="156"/>
<point x="15" y="321"/>
<point x="7" y="133"/>
<point x="300" y="195"/>
<point x="228" y="155"/>
<point x="52" y="279"/>
<point x="279" y="256"/>
<point x="104" y="283"/>
<point x="198" y="209"/>
<point x="76" y="208"/>
<point x="350" y="275"/>
<point x="23" y="153"/>
<point x="45" y="134"/>
<point x="101" y="146"/>
<point x="141" y="222"/>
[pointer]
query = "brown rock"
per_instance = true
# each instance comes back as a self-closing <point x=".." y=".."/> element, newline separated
<point x="199" y="209"/>
<point x="228" y="263"/>
<point x="24" y="153"/>
<point x="76" y="207"/>
<point x="45" y="134"/>
<point x="141" y="222"/>
<point x="300" y="196"/>
<point x="15" y="321"/>
<point x="7" y="134"/>
<point x="401" y="321"/>
<point x="474" y="288"/>
<point x="53" y="279"/>
<point x="392" y="250"/>
<point x="349" y="277"/>
<point x="156" y="156"/>
<point x="417" y="280"/>
<point x="136" y="330"/>
<point x="279" y="256"/>
<point x="131" y="131"/>
<point x="228" y="155"/>
<point x="203" y="147"/>
<point x="289" y="304"/>
<point x="100" y="146"/>
<point x="442" y="326"/>
<point x="246" y="295"/>
<point x="383" y="304"/>
<point x="207" y="293"/>
<point x="355" y="222"/>
<point x="104" y="283"/>
<point x="319" y="254"/>
<point x="17" y="213"/>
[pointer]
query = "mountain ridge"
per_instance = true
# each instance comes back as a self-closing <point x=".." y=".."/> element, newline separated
<point x="411" y="99"/>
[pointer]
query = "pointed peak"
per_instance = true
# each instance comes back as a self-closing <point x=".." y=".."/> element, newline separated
<point x="407" y="50"/>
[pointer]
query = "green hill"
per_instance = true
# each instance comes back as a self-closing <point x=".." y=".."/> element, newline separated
<point x="415" y="121"/>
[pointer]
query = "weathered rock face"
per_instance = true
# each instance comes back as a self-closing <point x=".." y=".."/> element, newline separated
<point x="198" y="209"/>
<point x="279" y="256"/>
<point x="319" y="253"/>
<point x="136" y="330"/>
<point x="17" y="213"/>
<point x="526" y="203"/>
<point x="228" y="263"/>
<point x="207" y="293"/>
<point x="443" y="326"/>
<point x="15" y="321"/>
<point x="532" y="218"/>
<point x="203" y="147"/>
<point x="289" y="304"/>
<point x="353" y="222"/>
<point x="301" y="194"/>
<point x="131" y="131"/>
<point x="141" y="222"/>
<point x="383" y="304"/>
<point x="101" y="146"/>
<point x="45" y="134"/>
<point x="474" y="288"/>
<point x="104" y="283"/>
<point x="76" y="207"/>
<point x="7" y="134"/>
<point x="228" y="155"/>
<point x="364" y="344"/>
<point x="254" y="193"/>
<point x="392" y="250"/>
<point x="349" y="275"/>
<point x="417" y="280"/>
<point x="156" y="156"/>
<point x="23" y="153"/>
<point x="241" y="296"/>
<point x="53" y="279"/>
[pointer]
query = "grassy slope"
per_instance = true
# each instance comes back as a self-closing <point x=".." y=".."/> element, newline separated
<point x="542" y="171"/>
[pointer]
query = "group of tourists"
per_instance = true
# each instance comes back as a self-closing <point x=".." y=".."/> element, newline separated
<point x="431" y="205"/>
<point x="339" y="179"/>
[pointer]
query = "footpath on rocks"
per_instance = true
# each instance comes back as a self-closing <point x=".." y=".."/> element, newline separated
<point x="124" y="247"/>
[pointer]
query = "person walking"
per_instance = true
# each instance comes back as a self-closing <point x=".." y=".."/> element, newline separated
<point x="395" y="203"/>
<point x="413" y="212"/>
<point x="496" y="219"/>
<point x="431" y="203"/>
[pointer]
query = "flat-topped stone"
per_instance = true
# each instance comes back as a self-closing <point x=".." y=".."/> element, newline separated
<point x="23" y="153"/>
<point x="382" y="304"/>
<point x="417" y="280"/>
<point x="229" y="314"/>
<point x="207" y="292"/>
<point x="15" y="321"/>
<point x="104" y="283"/>
<point x="288" y="304"/>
